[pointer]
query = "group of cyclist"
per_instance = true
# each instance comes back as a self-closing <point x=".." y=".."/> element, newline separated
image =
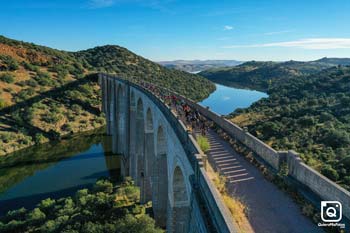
<point x="192" y="118"/>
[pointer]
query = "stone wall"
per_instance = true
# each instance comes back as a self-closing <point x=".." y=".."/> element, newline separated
<point x="268" y="154"/>
<point x="318" y="183"/>
<point x="217" y="208"/>
<point x="299" y="171"/>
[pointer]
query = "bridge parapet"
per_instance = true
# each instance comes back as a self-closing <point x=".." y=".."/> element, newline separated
<point x="313" y="185"/>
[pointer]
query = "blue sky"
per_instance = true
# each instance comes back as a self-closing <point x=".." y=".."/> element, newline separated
<point x="179" y="29"/>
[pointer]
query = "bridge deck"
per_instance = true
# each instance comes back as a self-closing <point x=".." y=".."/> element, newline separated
<point x="270" y="209"/>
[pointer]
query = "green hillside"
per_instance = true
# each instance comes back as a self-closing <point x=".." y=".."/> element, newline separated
<point x="263" y="75"/>
<point x="47" y="93"/>
<point x="308" y="114"/>
<point x="118" y="60"/>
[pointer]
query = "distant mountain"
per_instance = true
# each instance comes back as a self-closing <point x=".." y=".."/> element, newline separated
<point x="47" y="93"/>
<point x="335" y="61"/>
<point x="263" y="75"/>
<point x="195" y="66"/>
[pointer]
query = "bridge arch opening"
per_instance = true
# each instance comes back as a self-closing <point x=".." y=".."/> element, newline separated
<point x="181" y="208"/>
<point x="149" y="120"/>
<point x="140" y="143"/>
<point x="160" y="179"/>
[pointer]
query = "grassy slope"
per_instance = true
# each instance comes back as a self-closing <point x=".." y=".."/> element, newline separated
<point x="309" y="114"/>
<point x="46" y="93"/>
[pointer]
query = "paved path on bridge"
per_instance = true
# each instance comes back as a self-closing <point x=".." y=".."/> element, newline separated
<point x="270" y="209"/>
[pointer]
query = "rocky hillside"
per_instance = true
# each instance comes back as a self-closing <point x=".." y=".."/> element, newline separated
<point x="47" y="93"/>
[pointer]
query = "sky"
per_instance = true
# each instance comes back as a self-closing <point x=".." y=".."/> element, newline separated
<point x="178" y="29"/>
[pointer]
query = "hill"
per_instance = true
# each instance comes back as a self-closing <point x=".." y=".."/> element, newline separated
<point x="335" y="61"/>
<point x="47" y="93"/>
<point x="195" y="66"/>
<point x="308" y="114"/>
<point x="118" y="60"/>
<point x="263" y="75"/>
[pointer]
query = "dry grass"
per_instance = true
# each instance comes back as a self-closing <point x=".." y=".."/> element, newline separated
<point x="236" y="207"/>
<point x="246" y="119"/>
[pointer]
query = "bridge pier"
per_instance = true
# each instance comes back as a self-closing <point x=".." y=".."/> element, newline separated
<point x="140" y="145"/>
<point x="159" y="179"/>
<point x="132" y="137"/>
<point x="109" y="111"/>
<point x="114" y="121"/>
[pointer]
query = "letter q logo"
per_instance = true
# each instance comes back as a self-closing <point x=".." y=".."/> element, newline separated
<point x="331" y="211"/>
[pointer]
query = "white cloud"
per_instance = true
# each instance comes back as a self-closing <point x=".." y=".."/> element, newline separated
<point x="308" y="43"/>
<point x="228" y="28"/>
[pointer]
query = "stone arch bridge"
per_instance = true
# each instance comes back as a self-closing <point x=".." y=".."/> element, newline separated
<point x="163" y="159"/>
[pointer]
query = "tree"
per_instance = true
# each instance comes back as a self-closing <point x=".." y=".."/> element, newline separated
<point x="336" y="138"/>
<point x="331" y="173"/>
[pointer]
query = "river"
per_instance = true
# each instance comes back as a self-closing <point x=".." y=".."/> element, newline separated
<point x="59" y="169"/>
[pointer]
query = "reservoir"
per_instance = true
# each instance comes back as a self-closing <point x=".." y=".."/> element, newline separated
<point x="55" y="170"/>
<point x="225" y="100"/>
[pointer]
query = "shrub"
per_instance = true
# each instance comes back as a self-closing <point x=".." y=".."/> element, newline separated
<point x="7" y="78"/>
<point x="44" y="78"/>
<point x="2" y="103"/>
<point x="26" y="93"/>
<point x="8" y="63"/>
<point x="203" y="143"/>
<point x="330" y="172"/>
<point x="39" y="138"/>
<point x="31" y="83"/>
<point x="30" y="67"/>
<point x="51" y="118"/>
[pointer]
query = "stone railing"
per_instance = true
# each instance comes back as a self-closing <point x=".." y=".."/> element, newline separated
<point x="303" y="175"/>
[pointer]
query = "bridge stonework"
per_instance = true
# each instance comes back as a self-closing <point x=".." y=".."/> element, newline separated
<point x="163" y="159"/>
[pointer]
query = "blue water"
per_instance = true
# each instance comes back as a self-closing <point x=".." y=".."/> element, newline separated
<point x="227" y="99"/>
<point x="60" y="170"/>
